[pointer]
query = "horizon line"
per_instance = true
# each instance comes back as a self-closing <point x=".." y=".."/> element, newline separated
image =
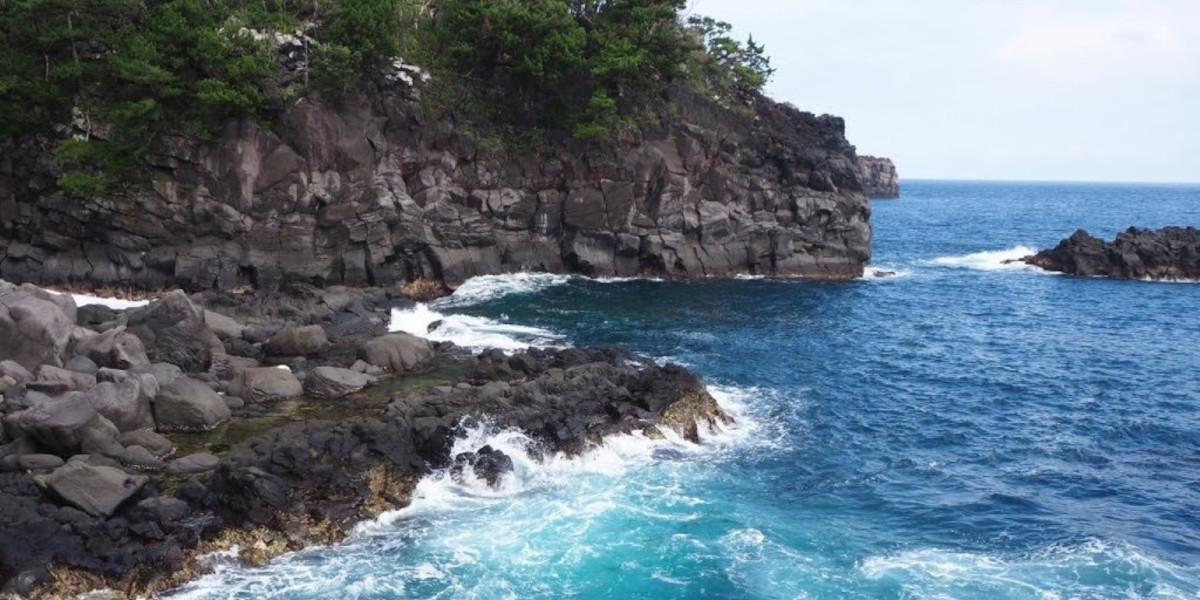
<point x="1083" y="181"/>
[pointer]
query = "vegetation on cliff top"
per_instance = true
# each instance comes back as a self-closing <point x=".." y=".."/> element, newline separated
<point x="115" y="76"/>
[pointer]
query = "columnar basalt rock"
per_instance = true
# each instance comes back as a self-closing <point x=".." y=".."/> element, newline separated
<point x="375" y="193"/>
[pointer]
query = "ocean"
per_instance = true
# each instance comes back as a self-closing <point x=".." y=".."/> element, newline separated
<point x="950" y="426"/>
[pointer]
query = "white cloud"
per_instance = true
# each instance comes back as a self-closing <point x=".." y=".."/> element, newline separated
<point x="1091" y="40"/>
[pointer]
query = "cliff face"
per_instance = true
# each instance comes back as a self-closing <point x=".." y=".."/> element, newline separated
<point x="878" y="176"/>
<point x="374" y="193"/>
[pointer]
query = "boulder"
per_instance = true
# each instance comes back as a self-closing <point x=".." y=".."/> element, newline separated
<point x="165" y="373"/>
<point x="141" y="459"/>
<point x="264" y="384"/>
<point x="115" y="348"/>
<point x="15" y="370"/>
<point x="82" y="364"/>
<point x="98" y="491"/>
<point x="124" y="398"/>
<point x="39" y="462"/>
<point x="174" y="331"/>
<point x="189" y="405"/>
<point x="65" y="425"/>
<point x="158" y="445"/>
<point x="225" y="327"/>
<point x="193" y="464"/>
<point x="74" y="381"/>
<point x="332" y="382"/>
<point x="165" y="509"/>
<point x="297" y="341"/>
<point x="399" y="353"/>
<point x="35" y="325"/>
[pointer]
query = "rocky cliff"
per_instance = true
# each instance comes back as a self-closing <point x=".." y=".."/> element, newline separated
<point x="376" y="192"/>
<point x="878" y="176"/>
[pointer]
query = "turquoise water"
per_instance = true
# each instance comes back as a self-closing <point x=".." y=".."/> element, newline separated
<point x="960" y="429"/>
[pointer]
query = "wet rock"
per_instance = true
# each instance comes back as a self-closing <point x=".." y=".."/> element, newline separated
<point x="193" y="464"/>
<point x="141" y="459"/>
<point x="487" y="464"/>
<point x="332" y="382"/>
<point x="36" y="326"/>
<point x="297" y="341"/>
<point x="265" y="384"/>
<point x="399" y="353"/>
<point x="189" y="405"/>
<point x="98" y="491"/>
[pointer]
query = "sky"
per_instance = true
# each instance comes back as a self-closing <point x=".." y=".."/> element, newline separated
<point x="1057" y="90"/>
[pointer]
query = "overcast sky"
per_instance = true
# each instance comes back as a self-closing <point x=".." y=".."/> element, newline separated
<point x="1070" y="90"/>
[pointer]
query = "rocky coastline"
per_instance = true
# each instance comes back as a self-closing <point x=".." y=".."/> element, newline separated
<point x="1170" y="253"/>
<point x="102" y="485"/>
<point x="879" y="177"/>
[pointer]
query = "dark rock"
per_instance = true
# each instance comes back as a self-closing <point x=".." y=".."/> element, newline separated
<point x="189" y="405"/>
<point x="93" y="316"/>
<point x="398" y="353"/>
<point x="487" y="464"/>
<point x="35" y="325"/>
<point x="265" y="384"/>
<point x="1167" y="253"/>
<point x="193" y="464"/>
<point x="174" y="331"/>
<point x="114" y="348"/>
<point x="62" y="425"/>
<point x="297" y="341"/>
<point x="225" y="327"/>
<point x="332" y="382"/>
<point x="165" y="509"/>
<point x="124" y="398"/>
<point x="98" y="491"/>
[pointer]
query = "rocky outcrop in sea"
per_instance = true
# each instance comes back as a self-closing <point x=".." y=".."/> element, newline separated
<point x="1167" y="253"/>
<point x="102" y="481"/>
<point x="377" y="192"/>
<point x="878" y="177"/>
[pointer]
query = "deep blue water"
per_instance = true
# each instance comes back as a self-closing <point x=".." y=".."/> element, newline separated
<point x="963" y="429"/>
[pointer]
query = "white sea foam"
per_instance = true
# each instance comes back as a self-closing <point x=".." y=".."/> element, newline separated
<point x="113" y="303"/>
<point x="1057" y="572"/>
<point x="476" y="333"/>
<point x="991" y="260"/>
<point x="885" y="273"/>
<point x="486" y="288"/>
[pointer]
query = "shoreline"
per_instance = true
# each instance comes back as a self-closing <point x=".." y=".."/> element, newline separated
<point x="311" y="482"/>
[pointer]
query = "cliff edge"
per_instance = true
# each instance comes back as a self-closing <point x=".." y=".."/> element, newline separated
<point x="878" y="176"/>
<point x="375" y="192"/>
